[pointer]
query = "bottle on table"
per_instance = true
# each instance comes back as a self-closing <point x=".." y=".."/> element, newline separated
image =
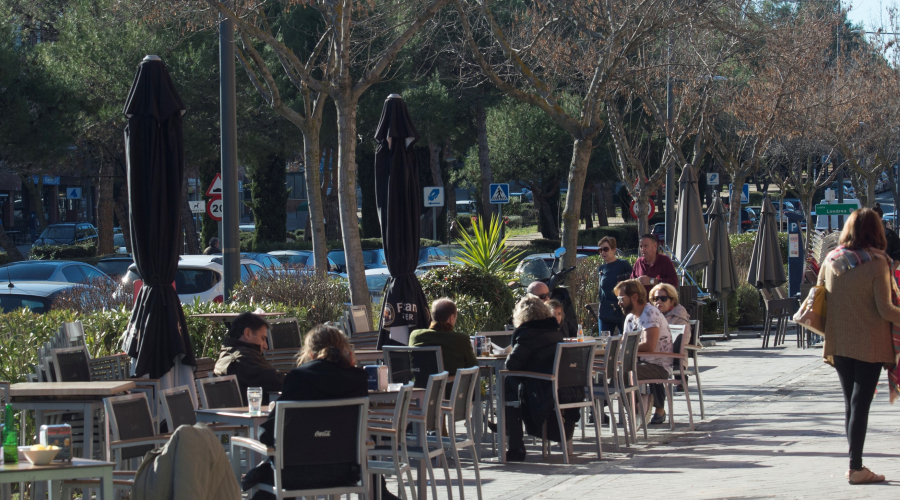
<point x="10" y="437"/>
<point x="580" y="332"/>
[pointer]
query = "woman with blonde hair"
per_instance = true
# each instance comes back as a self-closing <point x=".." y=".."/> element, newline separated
<point x="325" y="370"/>
<point x="858" y="338"/>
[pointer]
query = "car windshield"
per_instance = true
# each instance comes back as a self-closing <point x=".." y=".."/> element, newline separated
<point x="337" y="257"/>
<point x="376" y="283"/>
<point x="59" y="232"/>
<point x="114" y="267"/>
<point x="533" y="270"/>
<point x="11" y="303"/>
<point x="293" y="259"/>
<point x="188" y="281"/>
<point x="374" y="258"/>
<point x="27" y="272"/>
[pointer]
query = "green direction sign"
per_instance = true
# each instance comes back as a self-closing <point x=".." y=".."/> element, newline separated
<point x="835" y="209"/>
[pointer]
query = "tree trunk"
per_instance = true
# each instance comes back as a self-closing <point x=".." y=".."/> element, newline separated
<point x="434" y="163"/>
<point x="121" y="208"/>
<point x="600" y="203"/>
<point x="484" y="161"/>
<point x="581" y="154"/>
<point x="332" y="209"/>
<point x="191" y="238"/>
<point x="734" y="204"/>
<point x="315" y="226"/>
<point x="346" y="181"/>
<point x="587" y="206"/>
<point x="105" y="207"/>
<point x="12" y="251"/>
<point x="641" y="210"/>
<point x="870" y="189"/>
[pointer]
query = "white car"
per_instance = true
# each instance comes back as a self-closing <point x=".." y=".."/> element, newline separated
<point x="198" y="277"/>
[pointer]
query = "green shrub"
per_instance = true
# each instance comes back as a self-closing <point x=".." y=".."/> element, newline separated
<point x="4" y="259"/>
<point x="480" y="287"/>
<point x="513" y="221"/>
<point x="64" y="252"/>
<point x="541" y="245"/>
<point x="626" y="235"/>
<point x="464" y="221"/>
<point x="316" y="299"/>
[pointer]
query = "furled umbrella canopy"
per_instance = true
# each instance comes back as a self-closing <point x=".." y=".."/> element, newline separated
<point x="766" y="266"/>
<point x="689" y="226"/>
<point x="720" y="279"/>
<point x="399" y="201"/>
<point x="157" y="334"/>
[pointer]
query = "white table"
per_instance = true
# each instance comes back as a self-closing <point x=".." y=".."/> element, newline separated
<point x="54" y="472"/>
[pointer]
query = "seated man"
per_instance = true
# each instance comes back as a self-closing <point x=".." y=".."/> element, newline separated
<point x="456" y="349"/>
<point x="655" y="337"/>
<point x="242" y="355"/>
<point x="652" y="267"/>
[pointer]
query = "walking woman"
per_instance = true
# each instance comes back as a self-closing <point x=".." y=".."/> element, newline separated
<point x="612" y="269"/>
<point x="858" y="342"/>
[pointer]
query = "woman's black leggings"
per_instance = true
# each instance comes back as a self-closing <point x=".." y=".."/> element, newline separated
<point x="858" y="381"/>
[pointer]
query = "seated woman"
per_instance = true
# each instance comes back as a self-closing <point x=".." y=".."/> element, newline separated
<point x="534" y="350"/>
<point x="665" y="298"/>
<point x="326" y="369"/>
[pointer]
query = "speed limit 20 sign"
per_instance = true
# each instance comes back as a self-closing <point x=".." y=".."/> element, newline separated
<point x="214" y="209"/>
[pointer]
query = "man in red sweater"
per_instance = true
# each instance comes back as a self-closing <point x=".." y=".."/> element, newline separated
<point x="652" y="267"/>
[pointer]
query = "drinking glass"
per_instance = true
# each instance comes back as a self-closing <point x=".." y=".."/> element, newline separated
<point x="254" y="398"/>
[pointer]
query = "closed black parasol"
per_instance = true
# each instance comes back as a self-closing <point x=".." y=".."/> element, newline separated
<point x="399" y="202"/>
<point x="157" y="334"/>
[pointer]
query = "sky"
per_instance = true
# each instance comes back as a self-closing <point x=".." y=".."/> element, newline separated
<point x="872" y="13"/>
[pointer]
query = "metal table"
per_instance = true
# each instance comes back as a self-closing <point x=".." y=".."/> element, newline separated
<point x="54" y="472"/>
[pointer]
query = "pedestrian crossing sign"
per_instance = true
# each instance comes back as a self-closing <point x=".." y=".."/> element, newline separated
<point x="499" y="193"/>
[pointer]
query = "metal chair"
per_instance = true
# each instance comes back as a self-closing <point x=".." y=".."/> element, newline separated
<point x="627" y="382"/>
<point x="572" y="368"/>
<point x="219" y="392"/>
<point x="333" y="434"/>
<point x="71" y="364"/>
<point x="669" y="383"/>
<point x="285" y="334"/>
<point x="428" y="419"/>
<point x="460" y="410"/>
<point x="416" y="364"/>
<point x="606" y="368"/>
<point x="283" y="360"/>
<point x="693" y="347"/>
<point x="393" y="431"/>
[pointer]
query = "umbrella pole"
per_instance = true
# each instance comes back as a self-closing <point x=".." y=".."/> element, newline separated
<point x="727" y="337"/>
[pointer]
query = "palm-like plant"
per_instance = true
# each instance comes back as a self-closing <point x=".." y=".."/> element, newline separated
<point x="484" y="247"/>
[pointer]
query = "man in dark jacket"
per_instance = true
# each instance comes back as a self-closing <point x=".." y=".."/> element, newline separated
<point x="534" y="350"/>
<point x="213" y="248"/>
<point x="242" y="355"/>
<point x="893" y="241"/>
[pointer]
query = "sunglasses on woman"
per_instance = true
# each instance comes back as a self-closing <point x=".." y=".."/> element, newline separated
<point x="660" y="298"/>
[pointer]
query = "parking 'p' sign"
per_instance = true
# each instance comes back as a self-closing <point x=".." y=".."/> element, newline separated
<point x="712" y="178"/>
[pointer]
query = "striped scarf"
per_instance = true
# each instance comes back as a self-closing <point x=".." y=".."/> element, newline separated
<point x="841" y="259"/>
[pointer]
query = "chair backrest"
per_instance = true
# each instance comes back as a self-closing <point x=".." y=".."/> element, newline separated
<point x="574" y="364"/>
<point x="695" y="332"/>
<point x="283" y="360"/>
<point x="219" y="392"/>
<point x="678" y="338"/>
<point x="72" y="334"/>
<point x="629" y="355"/>
<point x="434" y="397"/>
<point x="463" y="390"/>
<point x="320" y="433"/>
<point x="401" y="410"/>
<point x="129" y="417"/>
<point x="285" y="334"/>
<point x="114" y="367"/>
<point x="71" y="364"/>
<point x="608" y="363"/>
<point x="359" y="319"/>
<point x="205" y="366"/>
<point x="178" y="407"/>
<point x="407" y="364"/>
<point x="501" y="338"/>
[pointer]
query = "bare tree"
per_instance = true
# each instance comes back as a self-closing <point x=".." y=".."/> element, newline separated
<point x="358" y="43"/>
<point x="545" y="53"/>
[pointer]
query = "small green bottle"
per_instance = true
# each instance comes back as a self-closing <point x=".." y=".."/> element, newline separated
<point x="10" y="437"/>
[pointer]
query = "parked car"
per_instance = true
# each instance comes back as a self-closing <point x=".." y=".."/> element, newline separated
<point x="466" y="207"/>
<point x="659" y="230"/>
<point x="374" y="259"/>
<point x="532" y="268"/>
<point x="547" y="258"/>
<point x="264" y="259"/>
<point x="61" y="271"/>
<point x="300" y="258"/>
<point x="247" y="228"/>
<point x="115" y="266"/>
<point x="68" y="233"/>
<point x="198" y="277"/>
<point x="433" y="254"/>
<point x="376" y="280"/>
<point x="38" y="296"/>
<point x="452" y="252"/>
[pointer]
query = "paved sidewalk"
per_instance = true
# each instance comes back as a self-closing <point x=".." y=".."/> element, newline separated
<point x="774" y="429"/>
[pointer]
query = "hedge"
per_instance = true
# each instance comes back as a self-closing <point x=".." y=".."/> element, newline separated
<point x="64" y="252"/>
<point x="626" y="235"/>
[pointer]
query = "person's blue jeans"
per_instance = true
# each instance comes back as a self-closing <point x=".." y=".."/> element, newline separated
<point x="610" y="326"/>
